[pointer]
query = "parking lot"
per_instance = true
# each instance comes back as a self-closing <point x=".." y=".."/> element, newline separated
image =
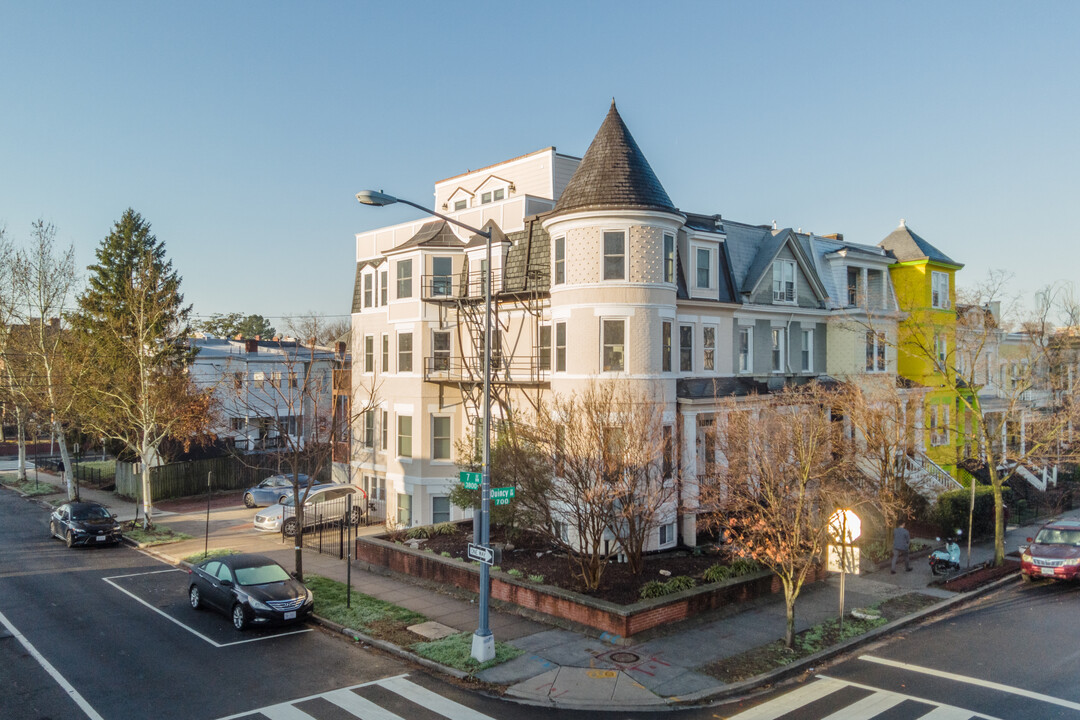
<point x="165" y="592"/>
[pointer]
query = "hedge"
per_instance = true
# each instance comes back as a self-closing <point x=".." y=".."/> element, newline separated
<point x="951" y="511"/>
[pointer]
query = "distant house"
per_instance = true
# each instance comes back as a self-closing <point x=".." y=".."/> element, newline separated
<point x="271" y="393"/>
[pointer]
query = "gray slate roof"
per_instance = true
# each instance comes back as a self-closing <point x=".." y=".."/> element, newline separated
<point x="614" y="174"/>
<point x="433" y="234"/>
<point x="906" y="246"/>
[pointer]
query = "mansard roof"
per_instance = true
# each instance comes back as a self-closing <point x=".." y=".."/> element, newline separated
<point x="433" y="234"/>
<point x="614" y="174"/>
<point x="769" y="247"/>
<point x="906" y="246"/>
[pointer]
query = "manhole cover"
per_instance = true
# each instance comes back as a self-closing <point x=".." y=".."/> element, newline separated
<point x="624" y="658"/>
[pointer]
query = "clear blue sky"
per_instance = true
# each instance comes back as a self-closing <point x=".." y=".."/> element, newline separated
<point x="242" y="130"/>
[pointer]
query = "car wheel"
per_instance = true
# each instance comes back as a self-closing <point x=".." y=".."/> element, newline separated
<point x="52" y="529"/>
<point x="249" y="500"/>
<point x="194" y="598"/>
<point x="289" y="528"/>
<point x="354" y="516"/>
<point x="282" y="499"/>
<point x="239" y="617"/>
<point x="69" y="538"/>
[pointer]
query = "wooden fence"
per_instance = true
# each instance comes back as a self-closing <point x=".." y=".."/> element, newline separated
<point x="184" y="479"/>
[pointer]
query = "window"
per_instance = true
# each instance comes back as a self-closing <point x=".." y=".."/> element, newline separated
<point x="460" y="205"/>
<point x="783" y="281"/>
<point x="778" y="350"/>
<point x="369" y="429"/>
<point x="939" y="290"/>
<point x="440" y="350"/>
<point x="442" y="270"/>
<point x="404" y="352"/>
<point x="875" y="351"/>
<point x="941" y="350"/>
<point x="560" y="347"/>
<point x="385" y="428"/>
<point x="669" y="258"/>
<point x="746" y="349"/>
<point x="404" y="279"/>
<point x="404" y="510"/>
<point x="665" y="346"/>
<point x="498" y="194"/>
<point x="613" y="339"/>
<point x="939" y="425"/>
<point x="485" y="198"/>
<point x="614" y="255"/>
<point x="667" y="534"/>
<point x="369" y="290"/>
<point x="686" y="348"/>
<point x="238" y="381"/>
<point x="709" y="344"/>
<point x="440" y="509"/>
<point x="545" y="347"/>
<point x="854" y="286"/>
<point x="807" y="350"/>
<point x="385" y="353"/>
<point x="369" y="354"/>
<point x="292" y="378"/>
<point x="560" y="261"/>
<point x="258" y="379"/>
<point x="440" y="438"/>
<point x="404" y="436"/>
<point x="562" y="531"/>
<point x="704" y="268"/>
<point x="669" y="453"/>
<point x="384" y="285"/>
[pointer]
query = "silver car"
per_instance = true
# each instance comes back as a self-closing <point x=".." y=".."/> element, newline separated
<point x="324" y="503"/>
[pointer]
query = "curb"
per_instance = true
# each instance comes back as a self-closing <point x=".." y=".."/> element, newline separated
<point x="745" y="687"/>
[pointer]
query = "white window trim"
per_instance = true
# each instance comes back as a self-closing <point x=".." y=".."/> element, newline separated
<point x="373" y="277"/>
<point x="625" y="345"/>
<point x="674" y="258"/>
<point x="604" y="256"/>
<point x="749" y="350"/>
<point x="938" y="278"/>
<point x="555" y="261"/>
<point x="808" y="348"/>
<point x="794" y="282"/>
<point x="447" y="460"/>
<point x="694" y="248"/>
<point x="715" y="335"/>
<point x="781" y="333"/>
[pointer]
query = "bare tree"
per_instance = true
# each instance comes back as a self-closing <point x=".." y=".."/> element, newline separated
<point x="314" y="327"/>
<point x="783" y="473"/>
<point x="14" y="374"/>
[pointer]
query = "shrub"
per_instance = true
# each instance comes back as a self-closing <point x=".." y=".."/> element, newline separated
<point x="514" y="572"/>
<point x="655" y="588"/>
<point x="538" y="579"/>
<point x="716" y="573"/>
<point x="951" y="511"/>
<point x="422" y="532"/>
<point x="446" y="528"/>
<point x="444" y="553"/>
<point x="744" y="566"/>
<point x="680" y="583"/>
<point x="652" y="589"/>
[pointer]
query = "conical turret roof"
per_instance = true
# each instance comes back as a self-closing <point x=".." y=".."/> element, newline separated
<point x="614" y="174"/>
<point x="906" y="246"/>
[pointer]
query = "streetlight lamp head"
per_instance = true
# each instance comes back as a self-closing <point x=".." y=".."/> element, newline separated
<point x="373" y="197"/>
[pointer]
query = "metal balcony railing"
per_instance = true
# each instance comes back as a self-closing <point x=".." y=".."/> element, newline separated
<point x="445" y="369"/>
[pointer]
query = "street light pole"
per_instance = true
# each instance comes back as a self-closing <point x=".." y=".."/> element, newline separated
<point x="483" y="642"/>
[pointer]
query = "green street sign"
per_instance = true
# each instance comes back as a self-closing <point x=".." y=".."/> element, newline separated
<point x="471" y="480"/>
<point x="501" y="496"/>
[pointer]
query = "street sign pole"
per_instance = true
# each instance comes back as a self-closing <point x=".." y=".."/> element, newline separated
<point x="483" y="643"/>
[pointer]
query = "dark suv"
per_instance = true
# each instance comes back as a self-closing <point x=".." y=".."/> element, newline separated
<point x="1054" y="553"/>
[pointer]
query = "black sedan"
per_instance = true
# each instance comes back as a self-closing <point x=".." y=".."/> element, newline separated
<point x="84" y="523"/>
<point x="251" y="589"/>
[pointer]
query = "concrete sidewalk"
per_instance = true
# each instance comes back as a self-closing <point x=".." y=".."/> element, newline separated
<point x="570" y="669"/>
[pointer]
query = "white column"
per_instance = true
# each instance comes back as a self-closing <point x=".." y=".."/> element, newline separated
<point x="688" y="458"/>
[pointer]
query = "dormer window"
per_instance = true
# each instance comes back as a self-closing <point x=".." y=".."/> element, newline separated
<point x="460" y="205"/>
<point x="939" y="290"/>
<point x="498" y="195"/>
<point x="783" y="281"/>
<point x="485" y="198"/>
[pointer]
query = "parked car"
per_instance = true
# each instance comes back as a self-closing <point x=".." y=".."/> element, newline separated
<point x="250" y="589"/>
<point x="84" y="523"/>
<point x="324" y="503"/>
<point x="274" y="489"/>
<point x="1054" y="553"/>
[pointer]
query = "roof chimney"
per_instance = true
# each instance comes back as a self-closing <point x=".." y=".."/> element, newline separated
<point x="340" y="347"/>
<point x="251" y="345"/>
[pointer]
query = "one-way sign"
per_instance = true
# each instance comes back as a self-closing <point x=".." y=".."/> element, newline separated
<point x="481" y="553"/>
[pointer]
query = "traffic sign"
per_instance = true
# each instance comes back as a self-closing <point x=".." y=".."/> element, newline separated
<point x="481" y="553"/>
<point x="501" y="496"/>
<point x="471" y="480"/>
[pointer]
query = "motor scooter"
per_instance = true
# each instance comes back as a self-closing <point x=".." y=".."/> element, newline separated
<point x="947" y="559"/>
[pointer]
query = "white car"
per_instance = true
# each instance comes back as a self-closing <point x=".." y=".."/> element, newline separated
<point x="324" y="503"/>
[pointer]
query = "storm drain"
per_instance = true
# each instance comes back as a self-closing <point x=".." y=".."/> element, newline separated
<point x="623" y="657"/>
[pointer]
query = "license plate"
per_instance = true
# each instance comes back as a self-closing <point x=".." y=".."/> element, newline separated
<point x="1046" y="571"/>
<point x="101" y="538"/>
<point x="291" y="615"/>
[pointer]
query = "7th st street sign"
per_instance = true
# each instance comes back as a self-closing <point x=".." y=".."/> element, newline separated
<point x="481" y="553"/>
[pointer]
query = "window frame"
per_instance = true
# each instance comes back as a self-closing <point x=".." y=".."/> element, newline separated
<point x="608" y="258"/>
<point x="385" y="352"/>
<point x="369" y="354"/>
<point x="460" y="205"/>
<point x="544" y="347"/>
<point x="747" y="366"/>
<point x="558" y="272"/>
<point x="698" y="269"/>
<point x="436" y="520"/>
<point x="781" y="296"/>
<point x="669" y="258"/>
<point x="778" y="350"/>
<point x="448" y="438"/>
<point x="708" y="349"/>
<point x="404" y="279"/>
<point x="369" y="289"/>
<point x="686" y="348"/>
<point x="384" y="287"/>
<point x="441" y="354"/>
<point x="404" y="438"/>
<point x="605" y="367"/>
<point x="560" y="347"/>
<point x="806" y="352"/>
<point x="442" y="284"/>
<point x="665" y="346"/>
<point x="939" y="300"/>
<point x="404" y="359"/>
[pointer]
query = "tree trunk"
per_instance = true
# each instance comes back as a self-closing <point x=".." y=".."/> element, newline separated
<point x="789" y="606"/>
<point x="20" y="440"/>
<point x="69" y="471"/>
<point x="147" y="499"/>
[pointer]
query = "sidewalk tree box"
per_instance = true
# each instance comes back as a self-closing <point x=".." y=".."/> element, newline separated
<point x="625" y="621"/>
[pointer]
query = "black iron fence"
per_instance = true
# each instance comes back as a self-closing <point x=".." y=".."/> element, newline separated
<point x="184" y="479"/>
<point x="327" y="527"/>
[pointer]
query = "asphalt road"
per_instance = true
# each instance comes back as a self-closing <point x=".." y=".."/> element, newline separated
<point x="1014" y="655"/>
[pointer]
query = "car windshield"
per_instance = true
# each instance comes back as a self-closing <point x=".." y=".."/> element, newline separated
<point x="261" y="574"/>
<point x="89" y="512"/>
<point x="1054" y="536"/>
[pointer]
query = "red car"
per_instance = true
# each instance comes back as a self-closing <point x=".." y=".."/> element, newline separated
<point x="1054" y="553"/>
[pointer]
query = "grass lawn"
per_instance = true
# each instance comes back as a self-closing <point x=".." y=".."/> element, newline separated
<point x="107" y="468"/>
<point x="389" y="622"/>
<point x="217" y="552"/>
<point x="156" y="535"/>
<point x="819" y="637"/>
<point x="29" y="487"/>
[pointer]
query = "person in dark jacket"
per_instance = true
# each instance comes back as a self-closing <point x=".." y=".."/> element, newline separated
<point x="901" y="545"/>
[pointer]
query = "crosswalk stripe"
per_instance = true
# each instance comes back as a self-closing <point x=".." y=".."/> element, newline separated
<point x="285" y="711"/>
<point x="945" y="712"/>
<point x="433" y="701"/>
<point x="867" y="707"/>
<point x="360" y="707"/>
<point x="793" y="700"/>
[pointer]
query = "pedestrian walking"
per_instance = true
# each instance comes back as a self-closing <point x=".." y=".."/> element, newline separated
<point x="901" y="545"/>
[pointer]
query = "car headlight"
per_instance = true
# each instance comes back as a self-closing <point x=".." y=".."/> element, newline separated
<point x="1026" y="557"/>
<point x="310" y="596"/>
<point x="1072" y="561"/>
<point x="257" y="605"/>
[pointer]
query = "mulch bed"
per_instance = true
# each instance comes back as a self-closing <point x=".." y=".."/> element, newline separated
<point x="980" y="576"/>
<point x="828" y="634"/>
<point x="533" y="555"/>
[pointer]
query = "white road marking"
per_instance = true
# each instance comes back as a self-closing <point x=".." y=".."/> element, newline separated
<point x="948" y="713"/>
<point x="870" y="706"/>
<point x="793" y="700"/>
<point x="946" y="710"/>
<point x="360" y="707"/>
<point x="431" y="700"/>
<point x="193" y="631"/>
<point x="973" y="681"/>
<point x="60" y="680"/>
<point x="247" y="713"/>
<point x="285" y="711"/>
